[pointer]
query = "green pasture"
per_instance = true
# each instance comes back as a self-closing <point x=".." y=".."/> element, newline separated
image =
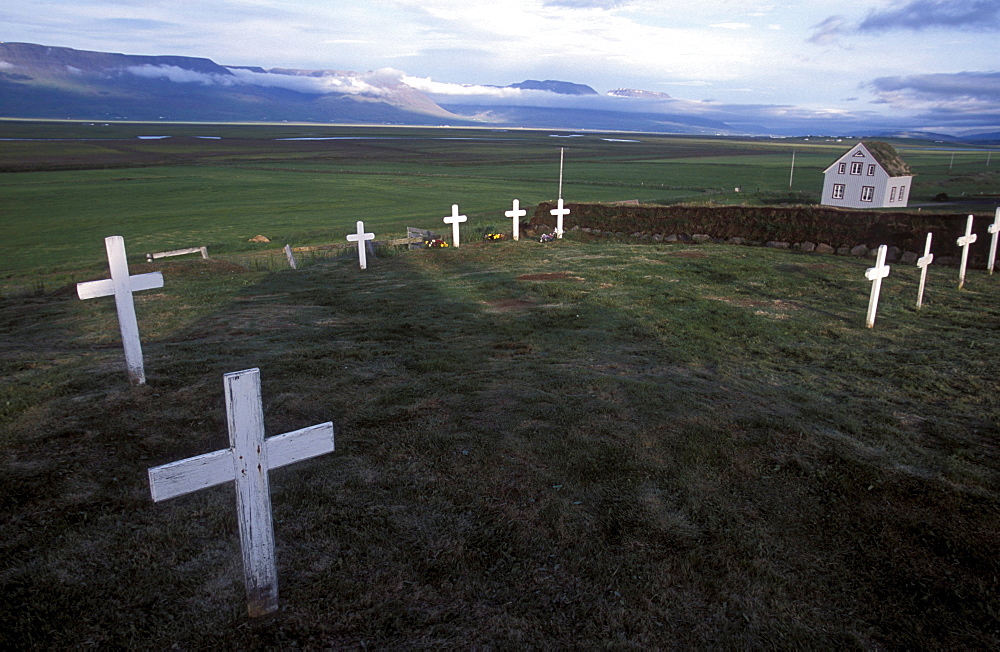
<point x="65" y="186"/>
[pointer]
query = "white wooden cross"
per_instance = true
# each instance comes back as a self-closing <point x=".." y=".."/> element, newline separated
<point x="876" y="274"/>
<point x="454" y="220"/>
<point x="246" y="463"/>
<point x="516" y="213"/>
<point x="121" y="285"/>
<point x="994" y="229"/>
<point x="360" y="237"/>
<point x="964" y="243"/>
<point x="922" y="263"/>
<point x="559" y="211"/>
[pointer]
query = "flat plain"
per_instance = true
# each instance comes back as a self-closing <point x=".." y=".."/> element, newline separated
<point x="585" y="443"/>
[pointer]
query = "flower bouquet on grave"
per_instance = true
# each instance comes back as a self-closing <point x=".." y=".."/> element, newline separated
<point x="435" y="243"/>
<point x="547" y="237"/>
<point x="492" y="237"/>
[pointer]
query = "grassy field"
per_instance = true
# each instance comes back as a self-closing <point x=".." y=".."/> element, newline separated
<point x="64" y="187"/>
<point x="579" y="444"/>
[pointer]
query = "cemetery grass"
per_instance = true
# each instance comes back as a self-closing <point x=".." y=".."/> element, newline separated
<point x="580" y="444"/>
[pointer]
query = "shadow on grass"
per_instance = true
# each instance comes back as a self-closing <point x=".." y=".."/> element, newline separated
<point x="553" y="446"/>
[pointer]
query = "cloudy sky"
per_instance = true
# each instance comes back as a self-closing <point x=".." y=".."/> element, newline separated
<point x="928" y="63"/>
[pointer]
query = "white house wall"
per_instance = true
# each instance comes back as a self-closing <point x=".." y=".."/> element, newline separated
<point x="853" y="194"/>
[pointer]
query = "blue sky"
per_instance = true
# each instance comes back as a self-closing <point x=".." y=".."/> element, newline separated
<point x="932" y="64"/>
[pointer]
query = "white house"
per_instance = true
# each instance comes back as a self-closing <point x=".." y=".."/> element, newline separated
<point x="869" y="175"/>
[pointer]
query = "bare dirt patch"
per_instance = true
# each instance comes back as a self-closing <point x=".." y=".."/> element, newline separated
<point x="509" y="305"/>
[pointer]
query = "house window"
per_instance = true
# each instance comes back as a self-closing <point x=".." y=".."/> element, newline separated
<point x="902" y="191"/>
<point x="867" y="193"/>
<point x="842" y="169"/>
<point x="856" y="167"/>
<point x="892" y="194"/>
<point x="871" y="170"/>
<point x="838" y="191"/>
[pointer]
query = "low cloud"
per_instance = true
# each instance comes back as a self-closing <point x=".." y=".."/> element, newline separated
<point x="828" y="31"/>
<point x="372" y="83"/>
<point x="965" y="98"/>
<point x="585" y="4"/>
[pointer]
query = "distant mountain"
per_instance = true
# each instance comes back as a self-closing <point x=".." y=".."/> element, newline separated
<point x="553" y="86"/>
<point x="38" y="81"/>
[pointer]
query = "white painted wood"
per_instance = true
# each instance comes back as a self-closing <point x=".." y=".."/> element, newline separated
<point x="964" y="243"/>
<point x="178" y="252"/>
<point x="559" y="212"/>
<point x="291" y="257"/>
<point x="923" y="262"/>
<point x="121" y="285"/>
<point x="190" y="475"/>
<point x="362" y="239"/>
<point x="246" y="463"/>
<point x="454" y="219"/>
<point x="875" y="275"/>
<point x="516" y="213"/>
<point x="561" y="149"/>
<point x="994" y="230"/>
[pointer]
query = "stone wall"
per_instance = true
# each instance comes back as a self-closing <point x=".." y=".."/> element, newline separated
<point x="820" y="229"/>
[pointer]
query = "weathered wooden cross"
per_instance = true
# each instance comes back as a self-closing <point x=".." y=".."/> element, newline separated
<point x="454" y="219"/>
<point x="875" y="275"/>
<point x="994" y="229"/>
<point x="360" y="237"/>
<point x="246" y="463"/>
<point x="121" y="285"/>
<point x="964" y="243"/>
<point x="922" y="263"/>
<point x="559" y="212"/>
<point x="516" y="213"/>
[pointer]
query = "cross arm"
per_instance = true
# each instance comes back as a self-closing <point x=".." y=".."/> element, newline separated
<point x="299" y="445"/>
<point x="106" y="287"/>
<point x="183" y="477"/>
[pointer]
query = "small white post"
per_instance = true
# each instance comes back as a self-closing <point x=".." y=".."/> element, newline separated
<point x="454" y="219"/>
<point x="561" y="149"/>
<point x="361" y="238"/>
<point x="994" y="229"/>
<point x="922" y="263"/>
<point x="559" y="212"/>
<point x="121" y="285"/>
<point x="875" y="275"/>
<point x="964" y="243"/>
<point x="516" y="213"/>
<point x="291" y="257"/>
<point x="246" y="463"/>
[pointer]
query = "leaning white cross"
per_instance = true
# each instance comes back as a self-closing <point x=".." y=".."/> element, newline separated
<point x="922" y="263"/>
<point x="876" y="274"/>
<point x="964" y="243"/>
<point x="516" y="213"/>
<point x="559" y="211"/>
<point x="994" y="229"/>
<point x="360" y="237"/>
<point x="454" y="220"/>
<point x="246" y="462"/>
<point x="121" y="285"/>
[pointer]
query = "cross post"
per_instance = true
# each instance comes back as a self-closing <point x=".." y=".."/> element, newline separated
<point x="516" y="213"/>
<point x="361" y="237"/>
<point x="246" y="463"/>
<point x="922" y="263"/>
<point x="454" y="219"/>
<point x="559" y="212"/>
<point x="121" y="285"/>
<point x="875" y="275"/>
<point x="964" y="243"/>
<point x="994" y="229"/>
